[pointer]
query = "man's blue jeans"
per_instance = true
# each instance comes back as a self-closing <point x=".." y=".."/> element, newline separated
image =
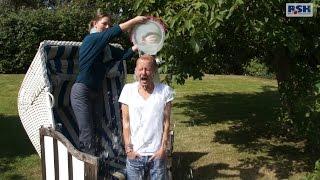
<point x="141" y="167"/>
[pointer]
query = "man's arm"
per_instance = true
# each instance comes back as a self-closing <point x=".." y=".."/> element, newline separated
<point x="126" y="132"/>
<point x="126" y="125"/>
<point x="166" y="125"/>
<point x="161" y="153"/>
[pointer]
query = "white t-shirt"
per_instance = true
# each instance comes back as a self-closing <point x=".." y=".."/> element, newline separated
<point x="146" y="116"/>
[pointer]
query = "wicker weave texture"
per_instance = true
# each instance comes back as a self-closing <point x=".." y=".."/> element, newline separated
<point x="34" y="105"/>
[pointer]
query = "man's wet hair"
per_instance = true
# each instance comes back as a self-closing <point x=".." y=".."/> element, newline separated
<point x="149" y="58"/>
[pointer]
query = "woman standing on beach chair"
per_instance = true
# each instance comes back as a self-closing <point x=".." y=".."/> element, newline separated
<point x="95" y="57"/>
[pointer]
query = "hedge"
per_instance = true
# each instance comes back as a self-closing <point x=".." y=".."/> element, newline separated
<point x="22" y="31"/>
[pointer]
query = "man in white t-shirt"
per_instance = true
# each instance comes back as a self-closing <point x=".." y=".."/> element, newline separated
<point x="146" y="108"/>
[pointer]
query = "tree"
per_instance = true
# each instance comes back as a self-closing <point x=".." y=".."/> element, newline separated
<point x="291" y="48"/>
<point x="229" y="33"/>
<point x="19" y="3"/>
<point x="191" y="31"/>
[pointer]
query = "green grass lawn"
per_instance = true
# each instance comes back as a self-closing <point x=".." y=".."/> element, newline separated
<point x="18" y="159"/>
<point x="225" y="128"/>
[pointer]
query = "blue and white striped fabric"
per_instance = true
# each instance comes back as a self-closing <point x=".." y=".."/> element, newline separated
<point x="62" y="65"/>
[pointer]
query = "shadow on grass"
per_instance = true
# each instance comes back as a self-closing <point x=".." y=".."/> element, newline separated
<point x="214" y="171"/>
<point x="14" y="143"/>
<point x="14" y="140"/>
<point x="182" y="168"/>
<point x="182" y="164"/>
<point x="253" y="128"/>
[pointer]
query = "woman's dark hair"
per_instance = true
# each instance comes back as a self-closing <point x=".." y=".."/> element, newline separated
<point x="97" y="18"/>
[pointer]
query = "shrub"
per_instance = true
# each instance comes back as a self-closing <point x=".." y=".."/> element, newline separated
<point x="222" y="64"/>
<point x="256" y="67"/>
<point x="301" y="110"/>
<point x="23" y="30"/>
<point x="316" y="173"/>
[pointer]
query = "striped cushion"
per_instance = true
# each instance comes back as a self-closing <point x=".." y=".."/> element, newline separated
<point x="62" y="65"/>
<point x="62" y="59"/>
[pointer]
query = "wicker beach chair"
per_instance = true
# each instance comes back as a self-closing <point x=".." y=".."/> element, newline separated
<point x="43" y="102"/>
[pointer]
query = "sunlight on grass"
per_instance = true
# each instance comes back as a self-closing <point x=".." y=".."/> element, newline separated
<point x="225" y="128"/>
<point x="9" y="87"/>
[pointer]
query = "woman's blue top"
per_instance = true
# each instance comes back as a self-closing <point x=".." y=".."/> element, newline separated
<point x="92" y="61"/>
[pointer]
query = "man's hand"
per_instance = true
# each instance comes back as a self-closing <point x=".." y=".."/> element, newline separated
<point x="160" y="154"/>
<point x="132" y="155"/>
